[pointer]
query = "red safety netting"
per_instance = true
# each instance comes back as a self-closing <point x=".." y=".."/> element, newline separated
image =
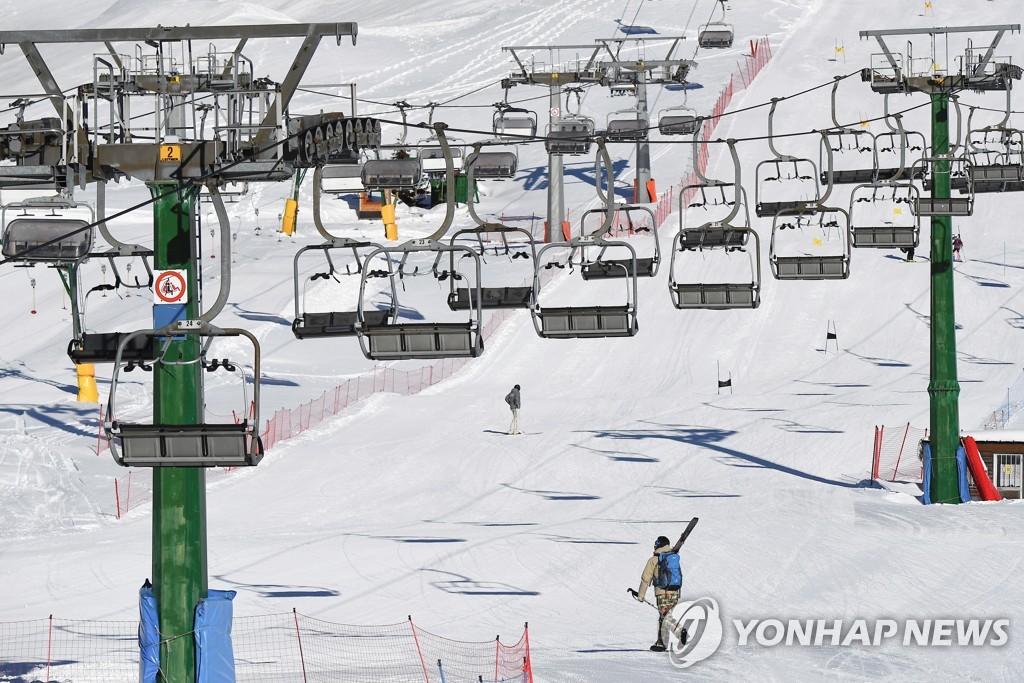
<point x="895" y="456"/>
<point x="267" y="649"/>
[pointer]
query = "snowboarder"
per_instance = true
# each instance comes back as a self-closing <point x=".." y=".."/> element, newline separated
<point x="958" y="244"/>
<point x="512" y="399"/>
<point x="662" y="570"/>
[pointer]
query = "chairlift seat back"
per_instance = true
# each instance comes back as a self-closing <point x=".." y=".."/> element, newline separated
<point x="678" y="124"/>
<point x="186" y="445"/>
<point x="101" y="347"/>
<point x="422" y="340"/>
<point x="716" y="296"/>
<point x="518" y="125"/>
<point x="885" y="236"/>
<point x="335" y="323"/>
<point x="934" y="206"/>
<point x="23" y="234"/>
<point x="709" y="238"/>
<point x="618" y="268"/>
<point x="494" y="165"/>
<point x="626" y="130"/>
<point x="811" y="267"/>
<point x="587" y="322"/>
<point x="715" y="36"/>
<point x="491" y="298"/>
<point x="391" y="174"/>
<point x="996" y="172"/>
<point x="769" y="209"/>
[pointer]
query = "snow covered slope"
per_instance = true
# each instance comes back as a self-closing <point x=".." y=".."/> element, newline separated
<point x="420" y="505"/>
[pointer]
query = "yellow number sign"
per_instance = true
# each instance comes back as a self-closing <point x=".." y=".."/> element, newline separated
<point x="171" y="153"/>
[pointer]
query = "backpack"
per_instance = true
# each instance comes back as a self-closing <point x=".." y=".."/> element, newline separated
<point x="670" y="576"/>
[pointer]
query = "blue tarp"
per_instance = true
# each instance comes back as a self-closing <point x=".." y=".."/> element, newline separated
<point x="927" y="478"/>
<point x="215" y="659"/>
<point x="961" y="473"/>
<point x="149" y="635"/>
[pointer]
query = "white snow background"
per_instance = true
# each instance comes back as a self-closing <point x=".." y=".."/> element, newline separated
<point x="626" y="438"/>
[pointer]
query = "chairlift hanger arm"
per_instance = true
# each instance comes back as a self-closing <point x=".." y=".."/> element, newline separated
<point x="999" y="29"/>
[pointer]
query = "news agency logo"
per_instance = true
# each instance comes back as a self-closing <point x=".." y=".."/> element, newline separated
<point x="694" y="632"/>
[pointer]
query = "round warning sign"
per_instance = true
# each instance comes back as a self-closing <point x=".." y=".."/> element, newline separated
<point x="169" y="287"/>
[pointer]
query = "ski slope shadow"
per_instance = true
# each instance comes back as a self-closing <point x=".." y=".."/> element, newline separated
<point x="256" y="316"/>
<point x="711" y="438"/>
<point x="554" y="495"/>
<point x="687" y="493"/>
<point x="463" y="585"/>
<point x="880" y="362"/>
<point x="273" y="590"/>
<point x="1017" y="321"/>
<point x="537" y="178"/>
<point x="21" y="374"/>
<point x="584" y="541"/>
<point x="617" y="456"/>
<point x="56" y="416"/>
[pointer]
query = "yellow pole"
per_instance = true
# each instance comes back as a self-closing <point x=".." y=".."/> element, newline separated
<point x="87" y="391"/>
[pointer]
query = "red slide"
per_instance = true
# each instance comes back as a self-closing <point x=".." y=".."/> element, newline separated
<point x="978" y="473"/>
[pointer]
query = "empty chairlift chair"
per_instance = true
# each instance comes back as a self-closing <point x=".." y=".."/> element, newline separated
<point x="601" y="266"/>
<point x="432" y="159"/>
<point x="462" y="295"/>
<point x="204" y="444"/>
<point x="102" y="347"/>
<point x="39" y="234"/>
<point x="391" y="174"/>
<point x="784" y="182"/>
<point x="954" y="170"/>
<point x="493" y="165"/>
<point x="319" y="324"/>
<point x="588" y="321"/>
<point x="514" y="124"/>
<point x="571" y="136"/>
<point x="881" y="217"/>
<point x="997" y="159"/>
<point x="717" y="245"/>
<point x="396" y="339"/>
<point x="341" y="179"/>
<point x="817" y="246"/>
<point x="626" y="126"/>
<point x="678" y="121"/>
<point x="715" y="34"/>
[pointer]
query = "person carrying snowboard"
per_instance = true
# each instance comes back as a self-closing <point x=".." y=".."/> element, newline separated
<point x="663" y="572"/>
<point x="512" y="399"/>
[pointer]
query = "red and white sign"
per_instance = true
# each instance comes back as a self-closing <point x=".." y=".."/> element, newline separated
<point x="170" y="287"/>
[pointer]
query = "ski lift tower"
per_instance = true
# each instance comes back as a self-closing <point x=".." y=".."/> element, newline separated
<point x="632" y="77"/>
<point x="156" y="107"/>
<point x="978" y="70"/>
<point x="554" y="76"/>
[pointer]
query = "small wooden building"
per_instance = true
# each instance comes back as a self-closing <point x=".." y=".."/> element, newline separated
<point x="1002" y="452"/>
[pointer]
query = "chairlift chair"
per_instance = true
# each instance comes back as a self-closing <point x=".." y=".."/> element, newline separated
<point x="678" y="121"/>
<point x="602" y="267"/>
<point x="341" y="178"/>
<point x="432" y="159"/>
<point x="463" y="298"/>
<point x="715" y="34"/>
<point x="720" y="242"/>
<point x="314" y="325"/>
<point x="794" y="265"/>
<point x="204" y="444"/>
<point x="493" y="165"/>
<point x="39" y="234"/>
<point x="392" y="174"/>
<point x="958" y="173"/>
<point x="594" y="321"/>
<point x="102" y="347"/>
<point x="900" y="231"/>
<point x="790" y="171"/>
<point x="398" y="340"/>
<point x="514" y="123"/>
<point x="570" y="135"/>
<point x="997" y="162"/>
<point x="626" y="129"/>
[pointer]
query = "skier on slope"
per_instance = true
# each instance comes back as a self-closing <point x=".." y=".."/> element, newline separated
<point x="662" y="570"/>
<point x="512" y="399"/>
<point x="958" y="244"/>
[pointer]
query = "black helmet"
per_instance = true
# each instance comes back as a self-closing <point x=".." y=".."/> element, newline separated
<point x="660" y="542"/>
<point x="517" y="386"/>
